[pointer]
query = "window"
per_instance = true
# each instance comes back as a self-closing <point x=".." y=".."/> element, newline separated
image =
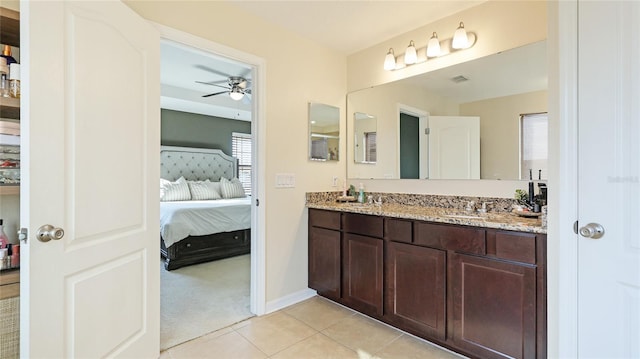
<point x="370" y="154"/>
<point x="533" y="146"/>
<point x="241" y="149"/>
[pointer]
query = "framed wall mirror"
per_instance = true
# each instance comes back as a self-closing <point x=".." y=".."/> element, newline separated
<point x="324" y="132"/>
<point x="499" y="89"/>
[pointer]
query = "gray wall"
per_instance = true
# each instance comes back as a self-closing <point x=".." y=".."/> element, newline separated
<point x="193" y="130"/>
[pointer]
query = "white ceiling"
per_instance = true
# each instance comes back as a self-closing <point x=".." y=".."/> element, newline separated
<point x="347" y="26"/>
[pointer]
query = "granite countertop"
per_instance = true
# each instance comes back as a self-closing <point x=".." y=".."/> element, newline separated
<point x="497" y="220"/>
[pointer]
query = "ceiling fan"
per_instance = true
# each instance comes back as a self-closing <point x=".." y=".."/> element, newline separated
<point x="236" y="87"/>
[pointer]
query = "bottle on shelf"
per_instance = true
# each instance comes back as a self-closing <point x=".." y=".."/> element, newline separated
<point x="4" y="240"/>
<point x="6" y="54"/>
<point x="4" y="78"/>
<point x="14" y="80"/>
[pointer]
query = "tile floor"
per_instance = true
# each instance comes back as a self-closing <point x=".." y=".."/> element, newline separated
<point x="314" y="328"/>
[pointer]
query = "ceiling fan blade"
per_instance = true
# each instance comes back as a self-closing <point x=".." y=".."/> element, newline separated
<point x="212" y="84"/>
<point x="213" y="71"/>
<point x="215" y="93"/>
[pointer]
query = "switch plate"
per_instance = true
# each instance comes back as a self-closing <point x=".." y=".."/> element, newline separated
<point x="335" y="182"/>
<point x="285" y="180"/>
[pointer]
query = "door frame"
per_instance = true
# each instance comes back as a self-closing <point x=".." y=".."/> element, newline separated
<point x="258" y="122"/>
<point x="562" y="250"/>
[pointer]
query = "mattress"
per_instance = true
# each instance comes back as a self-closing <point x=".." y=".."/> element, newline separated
<point x="180" y="219"/>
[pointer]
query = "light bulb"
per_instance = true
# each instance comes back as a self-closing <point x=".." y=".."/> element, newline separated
<point x="236" y="94"/>
<point x="460" y="39"/>
<point x="410" y="56"/>
<point x="433" y="47"/>
<point x="390" y="61"/>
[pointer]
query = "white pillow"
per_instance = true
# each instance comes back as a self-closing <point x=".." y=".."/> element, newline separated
<point x="231" y="188"/>
<point x="203" y="190"/>
<point x="174" y="191"/>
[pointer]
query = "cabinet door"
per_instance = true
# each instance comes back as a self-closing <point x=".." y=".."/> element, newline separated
<point x="494" y="307"/>
<point x="324" y="262"/>
<point x="363" y="271"/>
<point x="415" y="280"/>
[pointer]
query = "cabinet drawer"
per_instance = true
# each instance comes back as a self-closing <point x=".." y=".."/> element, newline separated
<point x="362" y="224"/>
<point x="513" y="246"/>
<point x="324" y="219"/>
<point x="398" y="230"/>
<point x="454" y="238"/>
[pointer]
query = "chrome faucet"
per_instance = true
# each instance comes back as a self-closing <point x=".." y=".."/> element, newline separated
<point x="484" y="207"/>
<point x="470" y="206"/>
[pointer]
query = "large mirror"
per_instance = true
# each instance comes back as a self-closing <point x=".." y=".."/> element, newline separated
<point x="324" y="132"/>
<point x="501" y="90"/>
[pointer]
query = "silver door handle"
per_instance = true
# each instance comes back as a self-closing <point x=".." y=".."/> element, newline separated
<point x="49" y="232"/>
<point x="592" y="230"/>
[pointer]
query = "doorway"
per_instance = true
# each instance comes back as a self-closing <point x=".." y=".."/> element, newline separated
<point x="229" y="124"/>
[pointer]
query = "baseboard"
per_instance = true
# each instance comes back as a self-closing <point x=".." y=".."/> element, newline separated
<point x="288" y="300"/>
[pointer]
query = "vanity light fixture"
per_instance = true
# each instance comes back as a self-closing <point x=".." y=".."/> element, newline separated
<point x="433" y="47"/>
<point x="390" y="60"/>
<point x="411" y="55"/>
<point x="460" y="38"/>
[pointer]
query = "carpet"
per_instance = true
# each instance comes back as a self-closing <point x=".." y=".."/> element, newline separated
<point x="202" y="298"/>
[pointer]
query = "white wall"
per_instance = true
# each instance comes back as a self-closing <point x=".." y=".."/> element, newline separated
<point x="298" y="71"/>
<point x="499" y="26"/>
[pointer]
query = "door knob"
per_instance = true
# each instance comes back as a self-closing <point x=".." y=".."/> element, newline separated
<point x="592" y="230"/>
<point x="49" y="232"/>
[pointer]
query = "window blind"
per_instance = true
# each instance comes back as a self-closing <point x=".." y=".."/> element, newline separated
<point x="241" y="149"/>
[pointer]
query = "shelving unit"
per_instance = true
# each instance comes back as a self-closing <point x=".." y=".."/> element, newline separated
<point x="9" y="107"/>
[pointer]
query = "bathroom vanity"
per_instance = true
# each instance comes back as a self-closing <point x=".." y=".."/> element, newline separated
<point x="473" y="283"/>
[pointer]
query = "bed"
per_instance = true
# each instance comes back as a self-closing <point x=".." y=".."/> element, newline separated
<point x="197" y="230"/>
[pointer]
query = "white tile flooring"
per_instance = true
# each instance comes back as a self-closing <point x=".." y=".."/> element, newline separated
<point x="315" y="328"/>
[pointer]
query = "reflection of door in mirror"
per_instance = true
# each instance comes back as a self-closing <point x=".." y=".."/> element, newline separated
<point x="454" y="147"/>
<point x="324" y="132"/>
<point x="409" y="146"/>
<point x="365" y="135"/>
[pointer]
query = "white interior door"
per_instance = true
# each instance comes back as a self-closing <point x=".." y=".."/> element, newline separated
<point x="454" y="147"/>
<point x="608" y="184"/>
<point x="91" y="138"/>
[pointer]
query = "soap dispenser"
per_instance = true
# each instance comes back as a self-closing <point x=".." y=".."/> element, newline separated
<point x="361" y="194"/>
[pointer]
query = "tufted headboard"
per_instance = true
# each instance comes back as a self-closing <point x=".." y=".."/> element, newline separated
<point x="196" y="164"/>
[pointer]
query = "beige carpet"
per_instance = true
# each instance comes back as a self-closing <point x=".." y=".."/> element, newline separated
<point x="202" y="298"/>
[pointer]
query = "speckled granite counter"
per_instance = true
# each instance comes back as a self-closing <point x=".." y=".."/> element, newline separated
<point x="443" y="210"/>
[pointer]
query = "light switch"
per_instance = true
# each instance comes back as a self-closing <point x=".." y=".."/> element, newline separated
<point x="285" y="180"/>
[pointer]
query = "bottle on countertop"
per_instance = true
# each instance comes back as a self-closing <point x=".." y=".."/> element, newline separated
<point x="361" y="194"/>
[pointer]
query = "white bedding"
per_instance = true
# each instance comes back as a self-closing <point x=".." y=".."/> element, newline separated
<point x="180" y="219"/>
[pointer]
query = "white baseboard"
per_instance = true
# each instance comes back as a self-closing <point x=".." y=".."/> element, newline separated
<point x="288" y="300"/>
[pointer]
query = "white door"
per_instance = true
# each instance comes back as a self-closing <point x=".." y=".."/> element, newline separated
<point x="454" y="147"/>
<point x="608" y="178"/>
<point x="91" y="136"/>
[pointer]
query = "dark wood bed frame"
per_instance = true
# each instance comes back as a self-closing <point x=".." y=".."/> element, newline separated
<point x="199" y="249"/>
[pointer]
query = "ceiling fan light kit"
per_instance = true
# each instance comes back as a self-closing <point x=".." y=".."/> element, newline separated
<point x="435" y="48"/>
<point x="236" y="87"/>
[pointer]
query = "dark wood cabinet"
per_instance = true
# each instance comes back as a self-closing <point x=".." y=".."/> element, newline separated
<point x="363" y="273"/>
<point x="325" y="253"/>
<point x="478" y="291"/>
<point x="415" y="289"/>
<point x="494" y="307"/>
